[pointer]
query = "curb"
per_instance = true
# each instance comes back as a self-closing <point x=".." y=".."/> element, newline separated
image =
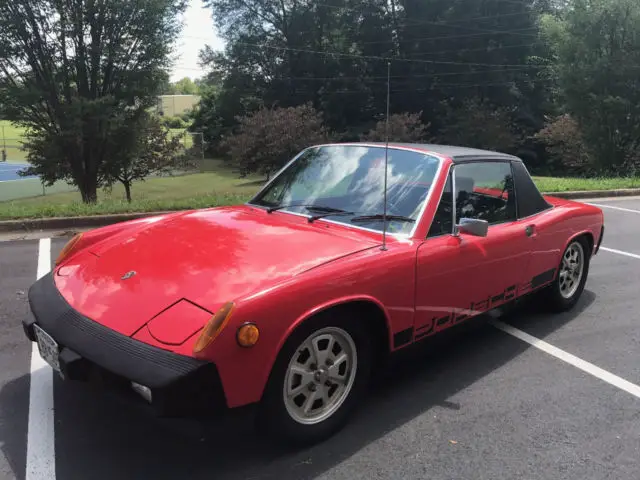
<point x="623" y="192"/>
<point x="62" y="223"/>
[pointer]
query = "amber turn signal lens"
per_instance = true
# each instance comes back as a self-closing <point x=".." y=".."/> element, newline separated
<point x="213" y="327"/>
<point x="68" y="248"/>
<point x="248" y="335"/>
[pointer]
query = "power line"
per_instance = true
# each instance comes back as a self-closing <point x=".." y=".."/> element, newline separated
<point x="403" y="77"/>
<point x="419" y="23"/>
<point x="484" y="17"/>
<point x="375" y="57"/>
<point x="381" y="91"/>
<point x="386" y="59"/>
<point x="481" y="49"/>
<point x="451" y="37"/>
<point x="428" y="22"/>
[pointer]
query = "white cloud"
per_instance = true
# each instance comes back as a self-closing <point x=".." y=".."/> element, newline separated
<point x="198" y="31"/>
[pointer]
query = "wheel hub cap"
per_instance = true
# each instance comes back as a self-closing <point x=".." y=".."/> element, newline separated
<point x="320" y="375"/>
<point x="571" y="270"/>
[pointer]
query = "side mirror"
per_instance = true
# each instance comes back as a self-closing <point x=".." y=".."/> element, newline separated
<point x="472" y="226"/>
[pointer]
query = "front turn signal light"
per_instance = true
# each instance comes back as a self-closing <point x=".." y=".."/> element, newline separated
<point x="213" y="327"/>
<point x="68" y="249"/>
<point x="247" y="335"/>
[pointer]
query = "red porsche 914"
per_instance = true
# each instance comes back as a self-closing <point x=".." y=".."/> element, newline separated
<point x="286" y="301"/>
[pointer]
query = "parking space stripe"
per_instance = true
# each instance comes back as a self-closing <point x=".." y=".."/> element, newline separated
<point x="615" y="208"/>
<point x="583" y="365"/>
<point x="44" y="257"/>
<point x="620" y="252"/>
<point x="40" y="434"/>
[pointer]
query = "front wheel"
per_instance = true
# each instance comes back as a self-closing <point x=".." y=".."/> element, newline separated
<point x="316" y="381"/>
<point x="573" y="270"/>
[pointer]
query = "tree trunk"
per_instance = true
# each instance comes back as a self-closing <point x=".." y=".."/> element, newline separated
<point x="127" y="190"/>
<point x="88" y="189"/>
<point x="84" y="171"/>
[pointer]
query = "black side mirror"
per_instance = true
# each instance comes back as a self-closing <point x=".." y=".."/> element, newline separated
<point x="473" y="226"/>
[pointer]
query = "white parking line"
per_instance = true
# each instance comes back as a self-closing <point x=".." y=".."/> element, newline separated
<point x="620" y="252"/>
<point x="614" y="208"/>
<point x="41" y="462"/>
<point x="583" y="365"/>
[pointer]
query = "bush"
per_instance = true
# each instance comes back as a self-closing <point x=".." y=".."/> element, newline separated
<point x="478" y="124"/>
<point x="565" y="146"/>
<point x="267" y="139"/>
<point x="403" y="127"/>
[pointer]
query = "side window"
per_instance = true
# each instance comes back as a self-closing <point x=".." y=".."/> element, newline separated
<point x="443" y="219"/>
<point x="484" y="191"/>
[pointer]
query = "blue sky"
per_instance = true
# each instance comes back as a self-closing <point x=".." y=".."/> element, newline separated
<point x="197" y="32"/>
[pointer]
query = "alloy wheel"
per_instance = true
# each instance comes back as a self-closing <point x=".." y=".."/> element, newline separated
<point x="571" y="270"/>
<point x="320" y="375"/>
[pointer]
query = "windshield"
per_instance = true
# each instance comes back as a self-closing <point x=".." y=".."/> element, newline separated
<point x="346" y="182"/>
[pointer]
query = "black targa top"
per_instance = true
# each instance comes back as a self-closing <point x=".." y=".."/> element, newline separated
<point x="529" y="199"/>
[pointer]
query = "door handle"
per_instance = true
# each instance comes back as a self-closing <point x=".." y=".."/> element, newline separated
<point x="529" y="230"/>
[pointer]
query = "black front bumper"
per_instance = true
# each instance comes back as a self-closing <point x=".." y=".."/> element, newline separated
<point x="90" y="352"/>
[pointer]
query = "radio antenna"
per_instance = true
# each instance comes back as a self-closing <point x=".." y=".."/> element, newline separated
<point x="386" y="160"/>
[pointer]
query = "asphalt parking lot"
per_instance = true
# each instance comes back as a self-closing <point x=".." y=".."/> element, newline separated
<point x="477" y="404"/>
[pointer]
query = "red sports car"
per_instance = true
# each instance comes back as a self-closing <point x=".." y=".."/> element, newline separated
<point x="286" y="301"/>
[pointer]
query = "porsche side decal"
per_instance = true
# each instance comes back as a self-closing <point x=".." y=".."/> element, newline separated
<point x="439" y="323"/>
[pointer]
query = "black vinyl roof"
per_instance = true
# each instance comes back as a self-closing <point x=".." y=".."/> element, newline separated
<point x="457" y="154"/>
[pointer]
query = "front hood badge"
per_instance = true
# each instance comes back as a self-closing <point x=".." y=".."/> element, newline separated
<point x="128" y="275"/>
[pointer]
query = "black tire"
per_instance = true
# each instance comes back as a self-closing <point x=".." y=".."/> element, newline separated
<point x="555" y="300"/>
<point x="274" y="418"/>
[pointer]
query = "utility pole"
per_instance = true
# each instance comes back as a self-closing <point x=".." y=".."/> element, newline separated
<point x="4" y="146"/>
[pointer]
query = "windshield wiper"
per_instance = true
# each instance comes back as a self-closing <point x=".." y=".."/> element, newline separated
<point x="379" y="216"/>
<point x="329" y="214"/>
<point x="318" y="208"/>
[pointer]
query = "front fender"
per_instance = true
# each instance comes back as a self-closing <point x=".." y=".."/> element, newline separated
<point x="386" y="281"/>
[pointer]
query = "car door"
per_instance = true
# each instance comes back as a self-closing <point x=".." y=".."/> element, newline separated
<point x="459" y="275"/>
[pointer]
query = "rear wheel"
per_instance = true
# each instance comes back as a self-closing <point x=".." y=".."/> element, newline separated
<point x="317" y="380"/>
<point x="573" y="270"/>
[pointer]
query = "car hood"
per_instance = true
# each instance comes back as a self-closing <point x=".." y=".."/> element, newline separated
<point x="206" y="257"/>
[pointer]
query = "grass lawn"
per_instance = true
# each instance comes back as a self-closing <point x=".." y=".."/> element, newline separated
<point x="11" y="132"/>
<point x="12" y="139"/>
<point x="551" y="184"/>
<point x="161" y="193"/>
<point x="219" y="187"/>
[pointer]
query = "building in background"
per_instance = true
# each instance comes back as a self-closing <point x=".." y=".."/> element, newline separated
<point x="172" y="105"/>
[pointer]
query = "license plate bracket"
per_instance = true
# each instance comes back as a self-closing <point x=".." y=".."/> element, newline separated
<point x="48" y="348"/>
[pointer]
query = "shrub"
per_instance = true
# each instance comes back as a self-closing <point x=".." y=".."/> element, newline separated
<point x="565" y="146"/>
<point x="403" y="127"/>
<point x="267" y="139"/>
<point x="174" y="122"/>
<point x="480" y="125"/>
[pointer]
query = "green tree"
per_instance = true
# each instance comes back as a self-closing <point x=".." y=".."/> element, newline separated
<point x="333" y="55"/>
<point x="597" y="46"/>
<point x="148" y="150"/>
<point x="77" y="74"/>
<point x="185" y="86"/>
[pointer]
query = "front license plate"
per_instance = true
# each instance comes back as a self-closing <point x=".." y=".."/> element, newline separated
<point x="48" y="347"/>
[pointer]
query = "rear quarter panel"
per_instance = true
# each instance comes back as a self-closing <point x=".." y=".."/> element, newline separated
<point x="555" y="228"/>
